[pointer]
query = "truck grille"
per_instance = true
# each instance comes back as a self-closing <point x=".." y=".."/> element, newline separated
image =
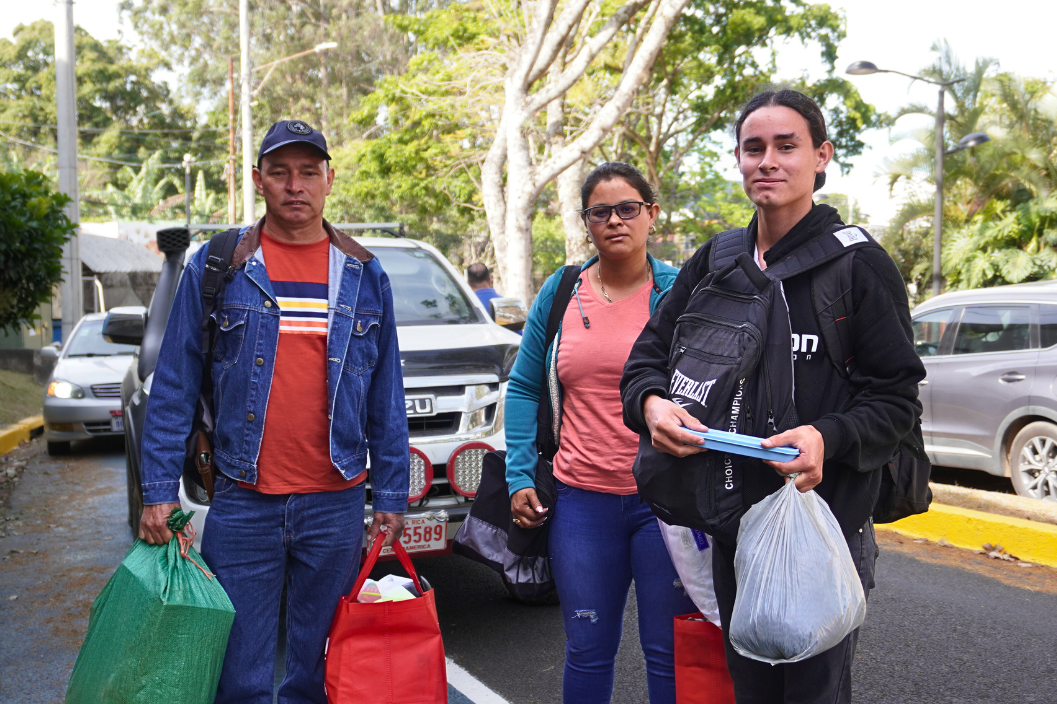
<point x="440" y="424"/>
<point x="106" y="390"/>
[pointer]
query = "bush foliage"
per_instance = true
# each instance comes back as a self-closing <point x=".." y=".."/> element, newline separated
<point x="33" y="228"/>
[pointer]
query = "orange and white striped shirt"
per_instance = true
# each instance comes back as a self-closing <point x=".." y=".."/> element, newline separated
<point x="302" y="306"/>
<point x="295" y="449"/>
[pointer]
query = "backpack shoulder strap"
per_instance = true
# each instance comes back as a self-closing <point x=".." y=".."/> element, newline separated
<point x="726" y="246"/>
<point x="544" y="414"/>
<point x="831" y="286"/>
<point x="835" y="242"/>
<point x="218" y="265"/>
<point x="562" y="295"/>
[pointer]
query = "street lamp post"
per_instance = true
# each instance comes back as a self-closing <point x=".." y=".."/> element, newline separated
<point x="862" y="68"/>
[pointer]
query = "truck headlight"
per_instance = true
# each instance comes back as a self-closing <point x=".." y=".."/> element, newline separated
<point x="421" y="476"/>
<point x="464" y="467"/>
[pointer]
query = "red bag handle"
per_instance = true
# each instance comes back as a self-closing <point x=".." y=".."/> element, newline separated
<point x="372" y="558"/>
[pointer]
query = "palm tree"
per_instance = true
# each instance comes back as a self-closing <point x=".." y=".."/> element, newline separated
<point x="990" y="239"/>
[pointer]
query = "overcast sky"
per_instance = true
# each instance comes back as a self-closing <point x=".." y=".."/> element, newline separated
<point x="895" y="34"/>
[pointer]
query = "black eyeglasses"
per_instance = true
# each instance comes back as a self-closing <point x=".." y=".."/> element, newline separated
<point x="625" y="211"/>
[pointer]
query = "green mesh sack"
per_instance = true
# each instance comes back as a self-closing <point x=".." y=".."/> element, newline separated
<point x="158" y="631"/>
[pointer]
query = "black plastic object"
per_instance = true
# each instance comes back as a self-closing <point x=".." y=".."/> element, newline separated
<point x="173" y="242"/>
<point x="125" y="325"/>
<point x="173" y="239"/>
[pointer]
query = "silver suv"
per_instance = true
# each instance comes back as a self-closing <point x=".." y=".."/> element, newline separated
<point x="990" y="396"/>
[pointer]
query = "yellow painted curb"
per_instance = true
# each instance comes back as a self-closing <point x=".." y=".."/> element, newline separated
<point x="15" y="433"/>
<point x="964" y="528"/>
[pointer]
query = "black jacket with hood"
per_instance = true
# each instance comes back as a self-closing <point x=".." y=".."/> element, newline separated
<point x="861" y="419"/>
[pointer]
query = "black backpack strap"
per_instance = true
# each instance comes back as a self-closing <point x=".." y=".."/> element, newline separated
<point x="837" y="241"/>
<point x="726" y="246"/>
<point x="831" y="286"/>
<point x="544" y="416"/>
<point x="214" y="277"/>
<point x="562" y="295"/>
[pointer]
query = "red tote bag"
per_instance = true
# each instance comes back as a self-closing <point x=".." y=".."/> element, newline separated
<point x="701" y="675"/>
<point x="388" y="652"/>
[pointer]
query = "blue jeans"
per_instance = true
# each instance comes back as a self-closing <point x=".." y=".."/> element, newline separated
<point x="598" y="544"/>
<point x="253" y="542"/>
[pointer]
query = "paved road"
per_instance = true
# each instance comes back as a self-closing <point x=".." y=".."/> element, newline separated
<point x="63" y="534"/>
<point x="944" y="625"/>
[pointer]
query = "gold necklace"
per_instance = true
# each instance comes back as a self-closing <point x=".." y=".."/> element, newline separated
<point x="598" y="273"/>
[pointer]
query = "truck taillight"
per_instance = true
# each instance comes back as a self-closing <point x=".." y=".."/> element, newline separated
<point x="464" y="467"/>
<point x="421" y="476"/>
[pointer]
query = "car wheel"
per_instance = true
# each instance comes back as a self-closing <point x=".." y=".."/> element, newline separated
<point x="1033" y="461"/>
<point x="58" y="448"/>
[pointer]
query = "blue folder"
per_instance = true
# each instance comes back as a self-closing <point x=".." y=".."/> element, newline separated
<point x="737" y="444"/>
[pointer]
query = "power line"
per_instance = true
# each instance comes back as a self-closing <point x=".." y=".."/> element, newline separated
<point x="174" y="165"/>
<point x="131" y="131"/>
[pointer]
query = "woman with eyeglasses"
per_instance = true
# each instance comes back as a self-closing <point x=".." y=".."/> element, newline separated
<point x="602" y="536"/>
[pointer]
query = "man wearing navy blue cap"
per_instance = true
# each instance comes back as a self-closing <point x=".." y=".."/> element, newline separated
<point x="307" y="385"/>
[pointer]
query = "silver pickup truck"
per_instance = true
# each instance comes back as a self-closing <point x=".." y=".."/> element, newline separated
<point x="455" y="357"/>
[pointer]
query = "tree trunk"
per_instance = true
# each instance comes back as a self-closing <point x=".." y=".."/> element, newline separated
<point x="493" y="195"/>
<point x="578" y="248"/>
<point x="520" y="204"/>
<point x="509" y="209"/>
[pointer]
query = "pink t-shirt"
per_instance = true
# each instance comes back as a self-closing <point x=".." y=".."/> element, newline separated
<point x="596" y="450"/>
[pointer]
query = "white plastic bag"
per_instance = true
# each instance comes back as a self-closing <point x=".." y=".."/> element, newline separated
<point x="691" y="553"/>
<point x="799" y="593"/>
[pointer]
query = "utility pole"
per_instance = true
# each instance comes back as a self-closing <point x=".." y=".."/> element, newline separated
<point x="72" y="289"/>
<point x="188" y="161"/>
<point x="937" y="244"/>
<point x="249" y="192"/>
<point x="232" y="214"/>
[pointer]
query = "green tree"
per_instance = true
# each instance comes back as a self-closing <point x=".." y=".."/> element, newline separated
<point x="322" y="88"/>
<point x="33" y="228"/>
<point x="427" y="133"/>
<point x="699" y="83"/>
<point x="123" y="112"/>
<point x="997" y="197"/>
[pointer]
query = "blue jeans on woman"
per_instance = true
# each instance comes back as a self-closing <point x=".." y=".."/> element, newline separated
<point x="598" y="544"/>
<point x="254" y="542"/>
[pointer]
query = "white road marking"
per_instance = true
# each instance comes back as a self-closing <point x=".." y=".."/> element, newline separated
<point x="470" y="686"/>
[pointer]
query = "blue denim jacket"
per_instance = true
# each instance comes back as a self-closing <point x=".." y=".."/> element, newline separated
<point x="365" y="390"/>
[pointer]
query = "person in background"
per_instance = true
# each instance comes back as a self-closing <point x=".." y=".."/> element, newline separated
<point x="307" y="385"/>
<point x="603" y="536"/>
<point x="480" y="279"/>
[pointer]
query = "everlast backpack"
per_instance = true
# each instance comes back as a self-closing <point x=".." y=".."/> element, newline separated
<point x="731" y="367"/>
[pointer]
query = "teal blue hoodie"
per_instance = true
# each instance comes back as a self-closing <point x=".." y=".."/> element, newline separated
<point x="526" y="390"/>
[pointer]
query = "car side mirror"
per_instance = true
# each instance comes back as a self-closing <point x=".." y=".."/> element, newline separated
<point x="508" y="312"/>
<point x="49" y="352"/>
<point x="124" y="325"/>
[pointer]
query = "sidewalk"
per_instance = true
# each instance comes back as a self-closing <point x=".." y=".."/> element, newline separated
<point x="1027" y="531"/>
<point x="14" y="434"/>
